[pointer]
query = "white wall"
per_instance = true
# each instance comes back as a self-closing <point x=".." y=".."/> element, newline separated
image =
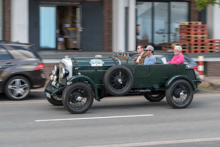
<point x="1" y="19"/>
<point x="19" y="21"/>
<point x="213" y="21"/>
<point x="216" y="33"/>
<point x="118" y="40"/>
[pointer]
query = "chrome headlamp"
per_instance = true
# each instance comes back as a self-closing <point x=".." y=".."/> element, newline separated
<point x="51" y="77"/>
<point x="55" y="70"/>
<point x="63" y="73"/>
<point x="55" y="78"/>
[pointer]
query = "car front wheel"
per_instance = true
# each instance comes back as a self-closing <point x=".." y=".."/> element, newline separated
<point x="17" y="88"/>
<point x="179" y="94"/>
<point x="77" y="98"/>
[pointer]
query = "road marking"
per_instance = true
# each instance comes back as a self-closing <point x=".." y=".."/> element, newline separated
<point x="90" y="118"/>
<point x="197" y="140"/>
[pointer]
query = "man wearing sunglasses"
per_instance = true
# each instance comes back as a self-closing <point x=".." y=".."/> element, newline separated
<point x="150" y="59"/>
<point x="142" y="55"/>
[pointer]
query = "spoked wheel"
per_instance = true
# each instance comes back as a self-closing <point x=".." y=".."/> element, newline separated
<point x="179" y="94"/>
<point x="54" y="100"/>
<point x="118" y="80"/>
<point x="17" y="88"/>
<point x="77" y="98"/>
<point x="155" y="96"/>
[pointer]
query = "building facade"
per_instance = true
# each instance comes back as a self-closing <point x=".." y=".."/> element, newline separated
<point x="102" y="25"/>
<point x="94" y="25"/>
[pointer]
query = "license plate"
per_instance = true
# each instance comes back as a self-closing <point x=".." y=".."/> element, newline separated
<point x="48" y="95"/>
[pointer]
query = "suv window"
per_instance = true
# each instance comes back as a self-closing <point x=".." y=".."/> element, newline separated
<point x="25" y="51"/>
<point x="4" y="54"/>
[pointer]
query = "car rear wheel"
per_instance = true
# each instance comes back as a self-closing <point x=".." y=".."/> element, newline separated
<point x="17" y="88"/>
<point x="54" y="101"/>
<point x="77" y="98"/>
<point x="118" y="80"/>
<point x="155" y="96"/>
<point x="179" y="94"/>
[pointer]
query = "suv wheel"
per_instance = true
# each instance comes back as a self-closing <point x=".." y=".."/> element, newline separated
<point x="17" y="88"/>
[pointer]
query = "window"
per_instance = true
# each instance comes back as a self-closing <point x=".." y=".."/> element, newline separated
<point x="4" y="54"/>
<point x="144" y="23"/>
<point x="24" y="51"/>
<point x="158" y="22"/>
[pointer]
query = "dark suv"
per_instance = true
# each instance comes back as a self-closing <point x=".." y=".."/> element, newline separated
<point x="21" y="69"/>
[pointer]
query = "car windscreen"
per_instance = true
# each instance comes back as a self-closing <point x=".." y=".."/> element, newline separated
<point x="24" y="51"/>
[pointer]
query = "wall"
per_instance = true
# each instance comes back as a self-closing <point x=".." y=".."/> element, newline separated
<point x="19" y="21"/>
<point x="119" y="25"/>
<point x="7" y="19"/>
<point x="107" y="25"/>
<point x="212" y="68"/>
<point x="194" y="13"/>
<point x="1" y="19"/>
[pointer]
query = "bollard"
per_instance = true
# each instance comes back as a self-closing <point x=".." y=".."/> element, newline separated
<point x="201" y="67"/>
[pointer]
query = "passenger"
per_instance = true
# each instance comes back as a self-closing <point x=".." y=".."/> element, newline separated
<point x="150" y="59"/>
<point x="179" y="57"/>
<point x="142" y="55"/>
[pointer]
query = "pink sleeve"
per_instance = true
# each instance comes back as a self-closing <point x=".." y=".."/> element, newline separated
<point x="179" y="60"/>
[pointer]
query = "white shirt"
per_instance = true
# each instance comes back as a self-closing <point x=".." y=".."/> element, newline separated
<point x="139" y="57"/>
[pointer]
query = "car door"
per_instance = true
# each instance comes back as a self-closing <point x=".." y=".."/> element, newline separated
<point x="6" y="64"/>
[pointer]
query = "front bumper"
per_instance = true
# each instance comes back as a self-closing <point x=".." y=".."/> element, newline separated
<point x="52" y="90"/>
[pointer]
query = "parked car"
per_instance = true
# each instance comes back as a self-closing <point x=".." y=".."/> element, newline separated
<point x="21" y="69"/>
<point x="78" y="80"/>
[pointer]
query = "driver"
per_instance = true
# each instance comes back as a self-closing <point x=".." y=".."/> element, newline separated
<point x="142" y="55"/>
<point x="150" y="59"/>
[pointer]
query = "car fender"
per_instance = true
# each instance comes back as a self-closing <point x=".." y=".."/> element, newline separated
<point x="81" y="78"/>
<point x="177" y="77"/>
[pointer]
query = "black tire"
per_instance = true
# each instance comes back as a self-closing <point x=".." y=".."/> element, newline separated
<point x="52" y="100"/>
<point x="17" y="88"/>
<point x="112" y="83"/>
<point x="155" y="96"/>
<point x="174" y="92"/>
<point x="74" y="91"/>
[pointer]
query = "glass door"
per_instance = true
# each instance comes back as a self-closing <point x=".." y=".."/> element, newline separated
<point x="160" y="22"/>
<point x="144" y="23"/>
<point x="179" y="12"/>
<point x="47" y="27"/>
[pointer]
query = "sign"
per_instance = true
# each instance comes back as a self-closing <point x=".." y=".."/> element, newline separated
<point x="96" y="62"/>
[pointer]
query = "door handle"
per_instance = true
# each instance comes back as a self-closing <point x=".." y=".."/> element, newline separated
<point x="9" y="64"/>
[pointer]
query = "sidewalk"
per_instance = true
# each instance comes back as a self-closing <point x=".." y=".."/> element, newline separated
<point x="209" y="83"/>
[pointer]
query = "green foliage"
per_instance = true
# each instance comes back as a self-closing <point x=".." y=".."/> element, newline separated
<point x="202" y="4"/>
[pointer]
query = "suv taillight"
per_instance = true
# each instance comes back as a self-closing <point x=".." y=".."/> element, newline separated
<point x="39" y="67"/>
<point x="195" y="68"/>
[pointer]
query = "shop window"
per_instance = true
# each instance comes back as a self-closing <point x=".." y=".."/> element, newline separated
<point x="144" y="23"/>
<point x="158" y="22"/>
<point x="179" y="12"/>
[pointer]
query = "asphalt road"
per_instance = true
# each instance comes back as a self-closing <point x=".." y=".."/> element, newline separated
<point x="119" y="121"/>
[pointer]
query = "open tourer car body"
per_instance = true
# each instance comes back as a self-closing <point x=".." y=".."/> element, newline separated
<point x="77" y="81"/>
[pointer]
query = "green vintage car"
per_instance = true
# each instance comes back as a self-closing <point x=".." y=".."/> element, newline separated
<point x="79" y="80"/>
